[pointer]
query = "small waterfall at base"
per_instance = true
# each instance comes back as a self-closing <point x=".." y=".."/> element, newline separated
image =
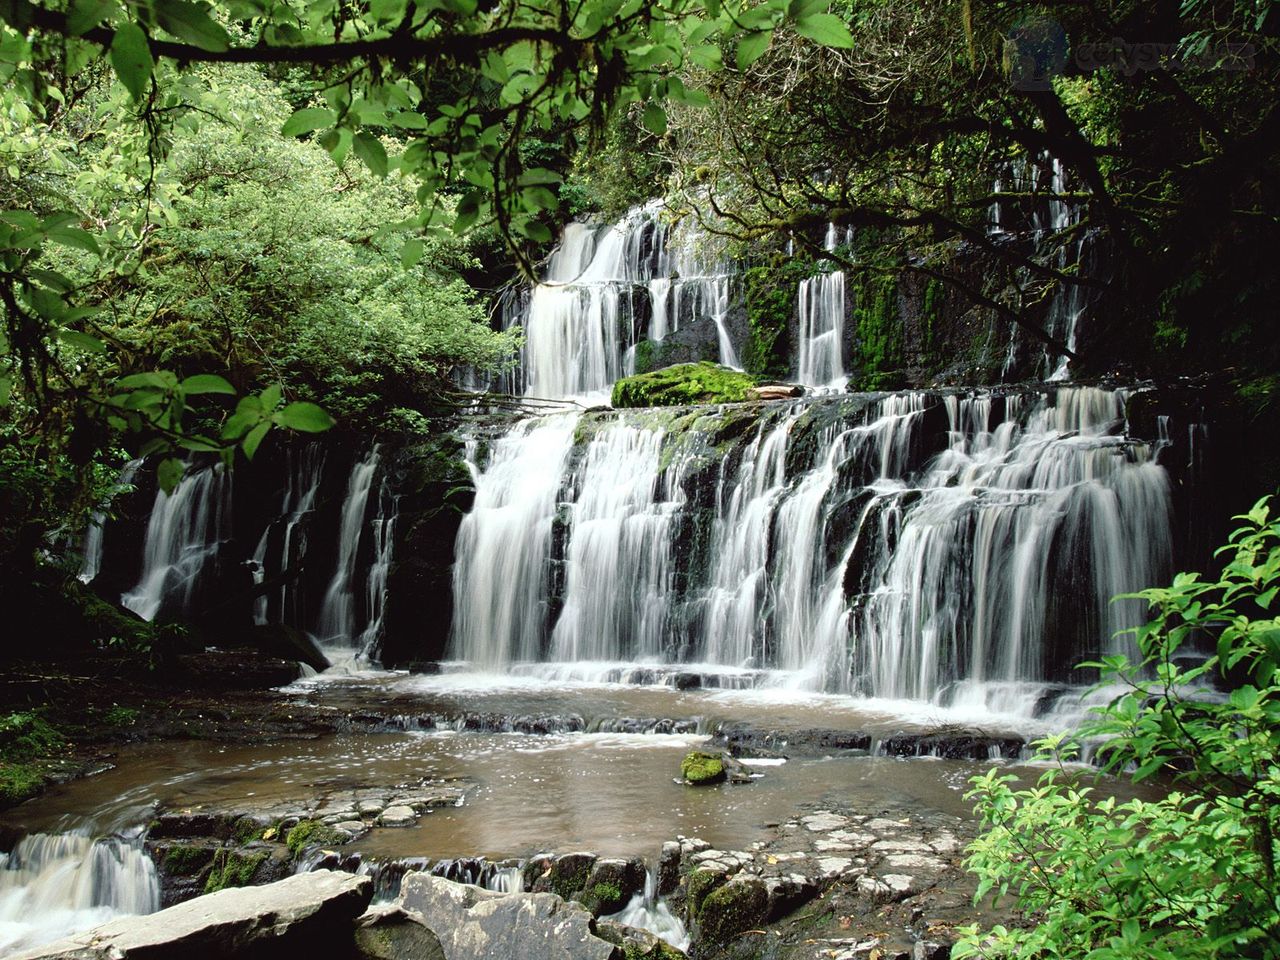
<point x="959" y="548"/>
<point x="183" y="535"/>
<point x="648" y="911"/>
<point x="52" y="885"/>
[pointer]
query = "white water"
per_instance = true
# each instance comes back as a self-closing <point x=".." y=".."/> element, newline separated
<point x="91" y="551"/>
<point x="183" y="535"/>
<point x="349" y="624"/>
<point x="647" y="911"/>
<point x="53" y="885"/>
<point x="283" y="544"/>
<point x="821" y="306"/>
<point x="839" y="555"/>
<point x="606" y="288"/>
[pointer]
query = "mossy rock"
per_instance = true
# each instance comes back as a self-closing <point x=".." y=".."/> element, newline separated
<point x="702" y="769"/>
<point x="187" y="859"/>
<point x="683" y="384"/>
<point x="741" y="904"/>
<point x="697" y="887"/>
<point x="313" y="833"/>
<point x="231" y="868"/>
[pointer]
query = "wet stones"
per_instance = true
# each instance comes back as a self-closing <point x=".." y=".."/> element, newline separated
<point x="602" y="885"/>
<point x="741" y="904"/>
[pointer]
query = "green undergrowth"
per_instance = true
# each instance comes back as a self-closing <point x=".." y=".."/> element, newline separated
<point x="27" y="743"/>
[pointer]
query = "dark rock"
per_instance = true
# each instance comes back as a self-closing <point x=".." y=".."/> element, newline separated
<point x="741" y="904"/>
<point x="566" y="875"/>
<point x="387" y="932"/>
<point x="242" y="669"/>
<point x="612" y="883"/>
<point x="300" y="914"/>
<point x="288" y="643"/>
<point x="669" y="868"/>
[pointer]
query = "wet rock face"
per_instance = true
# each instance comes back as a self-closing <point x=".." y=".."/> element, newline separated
<point x="305" y="913"/>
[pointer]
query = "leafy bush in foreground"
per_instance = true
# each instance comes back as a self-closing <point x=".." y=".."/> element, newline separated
<point x="1194" y="874"/>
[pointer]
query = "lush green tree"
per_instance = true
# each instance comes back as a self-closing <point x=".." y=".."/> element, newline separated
<point x="1192" y="874"/>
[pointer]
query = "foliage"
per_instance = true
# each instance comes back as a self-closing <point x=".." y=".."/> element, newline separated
<point x="684" y="383"/>
<point x="312" y="833"/>
<point x="771" y="304"/>
<point x="1190" y="875"/>
<point x="879" y="331"/>
<point x="26" y="735"/>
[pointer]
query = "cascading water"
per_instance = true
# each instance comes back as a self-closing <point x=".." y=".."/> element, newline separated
<point x="821" y="307"/>
<point x="52" y="885"/>
<point x="958" y="548"/>
<point x="502" y="577"/>
<point x="183" y="535"/>
<point x="607" y="288"/>
<point x="365" y="514"/>
<point x="283" y="544"/>
<point x="91" y="551"/>
<point x="647" y="911"/>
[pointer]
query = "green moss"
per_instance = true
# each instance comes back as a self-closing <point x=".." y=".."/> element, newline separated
<point x="232" y="869"/>
<point x="26" y="736"/>
<point x="633" y="950"/>
<point x="698" y="887"/>
<point x="702" y="768"/>
<point x="731" y="910"/>
<point x="19" y="781"/>
<point x="312" y="833"/>
<point x="187" y="859"/>
<point x="879" y="354"/>
<point x="118" y="716"/>
<point x="771" y="289"/>
<point x="685" y="383"/>
<point x="567" y="884"/>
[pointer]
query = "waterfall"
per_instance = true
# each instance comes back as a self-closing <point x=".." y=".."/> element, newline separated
<point x="821" y="308"/>
<point x="283" y="544"/>
<point x="502" y="575"/>
<point x="648" y="911"/>
<point x="53" y="885"/>
<point x="959" y="548"/>
<point x="367" y="522"/>
<point x="184" y="533"/>
<point x="91" y="550"/>
<point x="605" y="289"/>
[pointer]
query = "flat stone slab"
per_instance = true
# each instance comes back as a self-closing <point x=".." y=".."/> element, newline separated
<point x="304" y="911"/>
<point x="476" y="924"/>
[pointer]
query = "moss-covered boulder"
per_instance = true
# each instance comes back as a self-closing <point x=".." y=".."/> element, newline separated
<point x="313" y="833"/>
<point x="741" y="904"/>
<point x="683" y="384"/>
<point x="701" y="769"/>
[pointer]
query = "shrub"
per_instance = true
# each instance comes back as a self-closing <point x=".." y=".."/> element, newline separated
<point x="1193" y="874"/>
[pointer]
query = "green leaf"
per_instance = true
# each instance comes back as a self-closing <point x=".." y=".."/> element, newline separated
<point x="169" y="473"/>
<point x="655" y="119"/>
<point x="207" y="383"/>
<point x="162" y="380"/>
<point x="87" y="14"/>
<point x="270" y="398"/>
<point x="75" y="237"/>
<point x="82" y="340"/>
<point x="253" y="439"/>
<point x="305" y="417"/>
<point x="371" y="152"/>
<point x="826" y="29"/>
<point x="752" y="47"/>
<point x="131" y="58"/>
<point x="306" y="120"/>
<point x="411" y="253"/>
<point x="187" y="21"/>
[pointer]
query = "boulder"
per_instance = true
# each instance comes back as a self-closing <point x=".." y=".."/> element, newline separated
<point x="304" y="912"/>
<point x="741" y="904"/>
<point x="612" y="883"/>
<point x="289" y="643"/>
<point x="387" y="932"/>
<point x="476" y="924"/>
<point x="701" y="769"/>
